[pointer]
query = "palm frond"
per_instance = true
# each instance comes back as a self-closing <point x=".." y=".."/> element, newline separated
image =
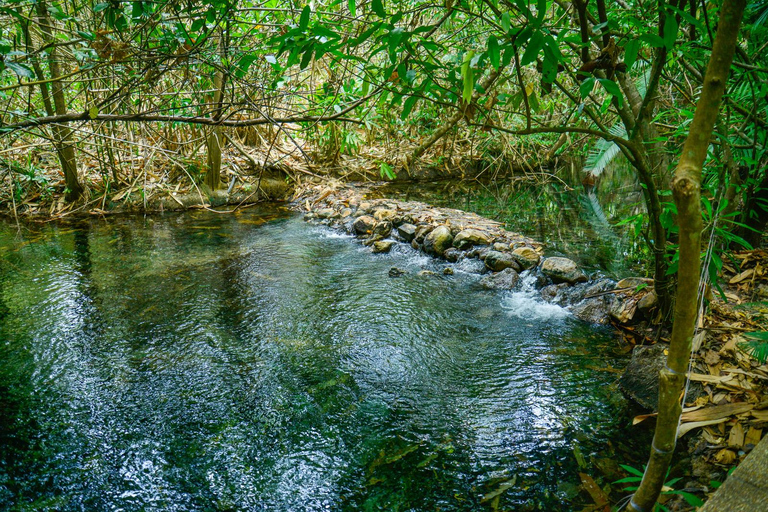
<point x="757" y="346"/>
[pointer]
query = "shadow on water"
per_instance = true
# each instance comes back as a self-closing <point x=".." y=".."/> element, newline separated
<point x="251" y="362"/>
<point x="574" y="220"/>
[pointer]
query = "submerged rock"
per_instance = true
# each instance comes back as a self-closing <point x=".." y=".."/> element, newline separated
<point x="498" y="261"/>
<point x="448" y="271"/>
<point x="595" y="310"/>
<point x="504" y="280"/>
<point x="563" y="270"/>
<point x="526" y="257"/>
<point x="438" y="240"/>
<point x="426" y="273"/>
<point x="396" y="272"/>
<point x="452" y="254"/>
<point x="382" y="246"/>
<point x="468" y="237"/>
<point x="364" y="224"/>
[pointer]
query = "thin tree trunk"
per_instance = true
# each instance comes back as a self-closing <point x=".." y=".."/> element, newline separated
<point x="62" y="135"/>
<point x="686" y="188"/>
<point x="216" y="137"/>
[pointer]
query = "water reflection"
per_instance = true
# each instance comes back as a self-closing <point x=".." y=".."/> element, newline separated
<point x="250" y="362"/>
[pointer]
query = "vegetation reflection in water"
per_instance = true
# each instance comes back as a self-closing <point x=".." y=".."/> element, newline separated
<point x="595" y="224"/>
<point x="209" y="362"/>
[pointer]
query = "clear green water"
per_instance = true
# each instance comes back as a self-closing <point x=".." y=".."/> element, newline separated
<point x="253" y="362"/>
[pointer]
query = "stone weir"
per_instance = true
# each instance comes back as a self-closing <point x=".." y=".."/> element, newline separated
<point x="454" y="235"/>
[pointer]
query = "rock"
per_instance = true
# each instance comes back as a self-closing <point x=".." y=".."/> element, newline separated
<point x="468" y="237"/>
<point x="448" y="271"/>
<point x="640" y="380"/>
<point x="426" y="273"/>
<point x="382" y="246"/>
<point x="326" y="213"/>
<point x="421" y="232"/>
<point x="346" y="212"/>
<point x="504" y="280"/>
<point x="372" y="240"/>
<point x="554" y="293"/>
<point x="647" y="303"/>
<point x="452" y="254"/>
<point x="634" y="283"/>
<point x="500" y="247"/>
<point x="385" y="214"/>
<point x="309" y="216"/>
<point x="623" y="309"/>
<point x="364" y="224"/>
<point x="563" y="270"/>
<point x="407" y="232"/>
<point x="383" y="228"/>
<point x="416" y="245"/>
<point x="498" y="261"/>
<point x="526" y="257"/>
<point x="595" y="310"/>
<point x="396" y="272"/>
<point x="438" y="240"/>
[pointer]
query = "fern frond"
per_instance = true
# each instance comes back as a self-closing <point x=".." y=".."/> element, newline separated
<point x="604" y="152"/>
<point x="757" y="346"/>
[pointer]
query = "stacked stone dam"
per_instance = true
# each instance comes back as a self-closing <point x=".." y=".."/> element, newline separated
<point x="454" y="235"/>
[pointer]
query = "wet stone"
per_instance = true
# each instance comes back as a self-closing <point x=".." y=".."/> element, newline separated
<point x="382" y="246"/>
<point x="407" y="232"/>
<point x="526" y="257"/>
<point x="396" y="272"/>
<point x="452" y="254"/>
<point x="504" y="280"/>
<point x="498" y="261"/>
<point x="563" y="270"/>
<point x="468" y="237"/>
<point x="364" y="224"/>
<point x="438" y="240"/>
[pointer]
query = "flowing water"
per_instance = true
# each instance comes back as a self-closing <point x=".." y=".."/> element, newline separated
<point x="253" y="362"/>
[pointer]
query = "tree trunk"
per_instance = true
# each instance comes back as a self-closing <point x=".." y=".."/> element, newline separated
<point x="686" y="188"/>
<point x="62" y="135"/>
<point x="215" y="138"/>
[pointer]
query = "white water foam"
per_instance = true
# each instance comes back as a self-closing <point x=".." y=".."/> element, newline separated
<point x="526" y="303"/>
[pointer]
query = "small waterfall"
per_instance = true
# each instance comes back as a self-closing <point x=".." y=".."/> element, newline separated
<point x="526" y="303"/>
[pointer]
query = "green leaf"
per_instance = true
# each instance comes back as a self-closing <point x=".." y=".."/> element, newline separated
<point x="670" y="31"/>
<point x="586" y="87"/>
<point x="613" y="89"/>
<point x="630" y="469"/>
<point x="20" y="69"/>
<point x="630" y="52"/>
<point x="304" y="20"/>
<point x="378" y="8"/>
<point x="352" y="7"/>
<point x="494" y="54"/>
<point x="100" y="7"/>
<point x="505" y="22"/>
<point x="93" y="112"/>
<point x="408" y="107"/>
<point x="533" y="101"/>
<point x="305" y="60"/>
<point x="197" y="25"/>
<point x="533" y="48"/>
<point x="653" y="40"/>
<point x="468" y="77"/>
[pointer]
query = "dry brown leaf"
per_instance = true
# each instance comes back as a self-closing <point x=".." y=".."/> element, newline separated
<point x="753" y="436"/>
<point x="736" y="437"/>
<point x="717" y="412"/>
<point x="687" y="427"/>
<point x="725" y="456"/>
<point x="710" y="379"/>
<point x="594" y="490"/>
<point x="742" y="276"/>
<point x="760" y="415"/>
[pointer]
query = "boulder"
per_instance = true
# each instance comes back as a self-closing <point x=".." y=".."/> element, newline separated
<point x="407" y="232"/>
<point x="563" y="270"/>
<point x="504" y="280"/>
<point x="422" y="231"/>
<point x="498" y="261"/>
<point x="385" y="214"/>
<point x="634" y="282"/>
<point x="595" y="310"/>
<point x="382" y="246"/>
<point x="364" y="224"/>
<point x="526" y="257"/>
<point x="346" y="212"/>
<point x="647" y="303"/>
<point x="327" y="213"/>
<point x="640" y="380"/>
<point x="438" y="240"/>
<point x="468" y="237"/>
<point x="500" y="247"/>
<point x="383" y="228"/>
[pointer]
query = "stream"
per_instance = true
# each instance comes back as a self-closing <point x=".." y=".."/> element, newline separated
<point x="249" y="361"/>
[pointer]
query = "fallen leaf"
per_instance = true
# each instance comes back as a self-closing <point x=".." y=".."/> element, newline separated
<point x="753" y="436"/>
<point x="742" y="276"/>
<point x="594" y="490"/>
<point x="736" y="437"/>
<point x="717" y="412"/>
<point x="687" y="427"/>
<point x="725" y="456"/>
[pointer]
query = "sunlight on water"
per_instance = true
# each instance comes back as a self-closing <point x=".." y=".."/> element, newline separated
<point x="252" y="362"/>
